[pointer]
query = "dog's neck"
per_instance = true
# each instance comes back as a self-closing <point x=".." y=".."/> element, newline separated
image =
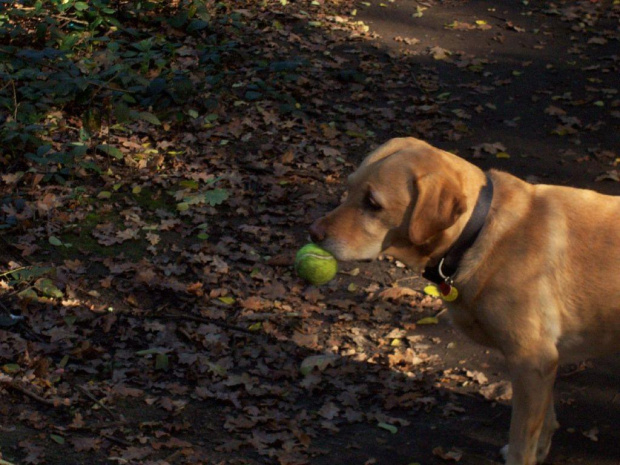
<point x="446" y="266"/>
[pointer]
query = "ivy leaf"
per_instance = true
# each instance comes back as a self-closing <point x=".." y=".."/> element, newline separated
<point x="216" y="196"/>
<point x="57" y="439"/>
<point x="197" y="25"/>
<point x="148" y="351"/>
<point x="253" y="95"/>
<point x="122" y="112"/>
<point x="42" y="150"/>
<point x="11" y="368"/>
<point x="46" y="287"/>
<point x="110" y="150"/>
<point x="161" y="362"/>
<point x="149" y="118"/>
<point x="189" y="184"/>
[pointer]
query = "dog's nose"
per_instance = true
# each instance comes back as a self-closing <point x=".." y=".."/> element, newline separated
<point x="317" y="231"/>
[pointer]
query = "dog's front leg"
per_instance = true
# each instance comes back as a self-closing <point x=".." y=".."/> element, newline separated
<point x="533" y="376"/>
<point x="549" y="427"/>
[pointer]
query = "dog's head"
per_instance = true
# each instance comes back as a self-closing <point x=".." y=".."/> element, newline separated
<point x="407" y="199"/>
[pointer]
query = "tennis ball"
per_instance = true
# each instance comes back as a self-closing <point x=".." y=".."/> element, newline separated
<point x="315" y="265"/>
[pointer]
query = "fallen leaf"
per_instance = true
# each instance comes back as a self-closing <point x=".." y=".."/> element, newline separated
<point x="57" y="439"/>
<point x="439" y="53"/>
<point x="500" y="391"/>
<point x="477" y="376"/>
<point x="46" y="287"/>
<point x="397" y="292"/>
<point x="612" y="175"/>
<point x="592" y="434"/>
<point x="554" y="111"/>
<point x="491" y="148"/>
<point x="320" y="362"/>
<point x="432" y="290"/>
<point x="454" y="455"/>
<point x="386" y="426"/>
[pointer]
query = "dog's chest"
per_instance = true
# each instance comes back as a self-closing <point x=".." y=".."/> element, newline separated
<point x="471" y="324"/>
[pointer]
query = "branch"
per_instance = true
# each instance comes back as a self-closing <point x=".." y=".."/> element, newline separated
<point x="15" y="385"/>
<point x="96" y="401"/>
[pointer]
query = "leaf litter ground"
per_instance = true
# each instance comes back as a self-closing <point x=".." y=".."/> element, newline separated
<point x="161" y="321"/>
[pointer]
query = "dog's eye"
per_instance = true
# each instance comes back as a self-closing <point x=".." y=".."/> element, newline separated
<point x="370" y="202"/>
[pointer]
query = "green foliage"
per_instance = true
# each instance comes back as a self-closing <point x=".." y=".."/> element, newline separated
<point x="25" y="274"/>
<point x="82" y="65"/>
<point x="210" y="196"/>
<point x="216" y="196"/>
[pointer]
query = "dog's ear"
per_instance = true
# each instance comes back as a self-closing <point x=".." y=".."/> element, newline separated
<point x="438" y="206"/>
<point x="389" y="148"/>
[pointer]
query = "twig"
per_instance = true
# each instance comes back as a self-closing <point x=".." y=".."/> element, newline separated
<point x="99" y="426"/>
<point x="5" y="273"/>
<point x="171" y="457"/>
<point x="120" y="441"/>
<point x="13" y="384"/>
<point x="441" y="312"/>
<point x="578" y="369"/>
<point x="5" y="86"/>
<point x="408" y="278"/>
<point x="71" y="20"/>
<point x="96" y="401"/>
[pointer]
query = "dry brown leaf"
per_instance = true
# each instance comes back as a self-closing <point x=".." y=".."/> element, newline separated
<point x="500" y="391"/>
<point x="453" y="455"/>
<point x="396" y="293"/>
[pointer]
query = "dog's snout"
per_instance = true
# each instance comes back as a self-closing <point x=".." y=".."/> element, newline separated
<point x="317" y="231"/>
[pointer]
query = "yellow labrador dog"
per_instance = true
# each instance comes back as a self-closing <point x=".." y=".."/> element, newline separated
<point x="532" y="270"/>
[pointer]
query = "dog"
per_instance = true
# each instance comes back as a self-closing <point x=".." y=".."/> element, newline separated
<point x="531" y="270"/>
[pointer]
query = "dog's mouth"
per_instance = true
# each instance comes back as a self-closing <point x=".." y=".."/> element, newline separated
<point x="344" y="253"/>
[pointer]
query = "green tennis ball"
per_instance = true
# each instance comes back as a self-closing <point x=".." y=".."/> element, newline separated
<point x="315" y="265"/>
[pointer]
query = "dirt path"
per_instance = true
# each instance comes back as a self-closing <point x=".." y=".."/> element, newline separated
<point x="534" y="79"/>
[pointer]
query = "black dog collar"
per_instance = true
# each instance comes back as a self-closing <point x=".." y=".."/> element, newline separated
<point x="447" y="266"/>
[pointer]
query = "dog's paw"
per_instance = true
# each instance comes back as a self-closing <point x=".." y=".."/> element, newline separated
<point x="544" y="444"/>
<point x="544" y="441"/>
<point x="542" y="451"/>
<point x="504" y="452"/>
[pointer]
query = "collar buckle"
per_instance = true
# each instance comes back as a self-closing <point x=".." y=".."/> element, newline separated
<point x="447" y="279"/>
